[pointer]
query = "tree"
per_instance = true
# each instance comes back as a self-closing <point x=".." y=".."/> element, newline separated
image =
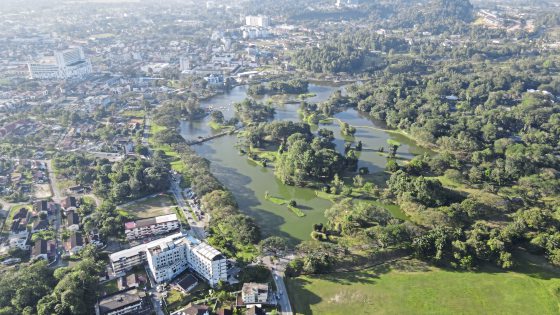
<point x="273" y="244"/>
<point x="217" y="117"/>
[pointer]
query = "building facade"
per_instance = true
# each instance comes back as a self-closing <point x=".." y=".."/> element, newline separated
<point x="257" y="20"/>
<point x="254" y="293"/>
<point x="151" y="226"/>
<point x="167" y="260"/>
<point x="65" y="64"/>
<point x="170" y="256"/>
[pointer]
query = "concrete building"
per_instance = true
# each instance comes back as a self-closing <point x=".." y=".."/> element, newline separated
<point x="151" y="226"/>
<point x="254" y="293"/>
<point x="169" y="256"/>
<point x="129" y="301"/>
<point x="63" y="65"/>
<point x="257" y="20"/>
<point x="167" y="260"/>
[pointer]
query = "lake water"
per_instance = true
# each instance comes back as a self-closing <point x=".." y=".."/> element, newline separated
<point x="249" y="182"/>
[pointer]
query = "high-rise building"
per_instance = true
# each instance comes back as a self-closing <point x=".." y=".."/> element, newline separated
<point x="257" y="20"/>
<point x="65" y="64"/>
<point x="170" y="256"/>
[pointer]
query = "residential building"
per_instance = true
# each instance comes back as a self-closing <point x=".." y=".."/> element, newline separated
<point x="151" y="226"/>
<point x="69" y="203"/>
<point x="169" y="256"/>
<point x="254" y="293"/>
<point x="128" y="301"/>
<point x="40" y="225"/>
<point x="167" y="260"/>
<point x="72" y="220"/>
<point x="75" y="243"/>
<point x="258" y="20"/>
<point x="43" y="249"/>
<point x="63" y="65"/>
<point x="44" y="206"/>
<point x="207" y="262"/>
<point x="194" y="309"/>
<point x="188" y="283"/>
<point x="130" y="281"/>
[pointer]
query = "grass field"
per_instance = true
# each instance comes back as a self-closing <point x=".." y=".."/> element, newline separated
<point x="151" y="207"/>
<point x="411" y="287"/>
<point x="176" y="163"/>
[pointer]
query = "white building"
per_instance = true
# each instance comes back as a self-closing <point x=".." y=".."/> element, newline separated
<point x="258" y="20"/>
<point x="167" y="260"/>
<point x="169" y="256"/>
<point x="151" y="226"/>
<point x="254" y="293"/>
<point x="207" y="262"/>
<point x="65" y="64"/>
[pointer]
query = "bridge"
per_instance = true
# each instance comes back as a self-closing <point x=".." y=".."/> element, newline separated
<point x="204" y="139"/>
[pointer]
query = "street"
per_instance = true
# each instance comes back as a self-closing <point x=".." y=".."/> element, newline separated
<point x="197" y="228"/>
<point x="283" y="301"/>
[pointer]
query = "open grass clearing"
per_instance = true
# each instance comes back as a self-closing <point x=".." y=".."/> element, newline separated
<point x="412" y="287"/>
<point x="152" y="206"/>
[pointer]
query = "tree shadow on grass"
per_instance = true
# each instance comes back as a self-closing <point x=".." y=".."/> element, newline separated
<point x="300" y="297"/>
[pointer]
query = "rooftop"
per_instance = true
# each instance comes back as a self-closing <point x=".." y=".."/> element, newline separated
<point x="150" y="221"/>
<point x="133" y="251"/>
<point x="208" y="251"/>
<point x="120" y="299"/>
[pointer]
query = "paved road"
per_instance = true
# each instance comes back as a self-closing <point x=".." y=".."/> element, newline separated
<point x="197" y="228"/>
<point x="283" y="301"/>
<point x="57" y="197"/>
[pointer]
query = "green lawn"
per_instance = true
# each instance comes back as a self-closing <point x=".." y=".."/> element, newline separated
<point x="172" y="155"/>
<point x="152" y="207"/>
<point x="414" y="288"/>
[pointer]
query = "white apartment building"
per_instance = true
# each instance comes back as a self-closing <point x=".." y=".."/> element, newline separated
<point x="151" y="226"/>
<point x="257" y="20"/>
<point x="207" y="262"/>
<point x="65" y="64"/>
<point x="170" y="256"/>
<point x="167" y="260"/>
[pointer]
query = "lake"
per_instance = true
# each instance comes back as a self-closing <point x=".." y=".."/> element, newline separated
<point x="249" y="182"/>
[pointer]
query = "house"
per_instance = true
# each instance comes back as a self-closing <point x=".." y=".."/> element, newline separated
<point x="69" y="203"/>
<point x="255" y="310"/>
<point x="254" y="293"/>
<point x="128" y="301"/>
<point x="19" y="226"/>
<point x="43" y="206"/>
<point x="193" y="309"/>
<point x="43" y="250"/>
<point x="40" y="225"/>
<point x="130" y="281"/>
<point x="22" y="213"/>
<point x="72" y="220"/>
<point x="75" y="243"/>
<point x="188" y="283"/>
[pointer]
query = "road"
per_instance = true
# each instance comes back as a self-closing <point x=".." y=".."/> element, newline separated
<point x="283" y="301"/>
<point x="277" y="267"/>
<point x="197" y="228"/>
<point x="57" y="197"/>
